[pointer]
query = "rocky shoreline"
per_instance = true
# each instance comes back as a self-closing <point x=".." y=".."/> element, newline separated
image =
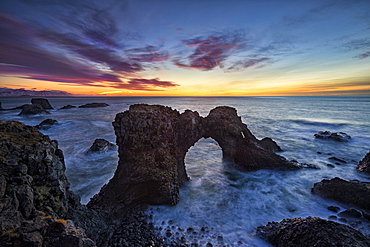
<point x="37" y="208"/>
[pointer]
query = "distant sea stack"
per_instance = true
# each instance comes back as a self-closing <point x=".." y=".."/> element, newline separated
<point x="153" y="141"/>
<point x="44" y="103"/>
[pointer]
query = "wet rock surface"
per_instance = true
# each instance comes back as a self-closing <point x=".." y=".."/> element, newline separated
<point x="101" y="145"/>
<point x="93" y="105"/>
<point x="364" y="164"/>
<point x="352" y="192"/>
<point x="46" y="124"/>
<point x="311" y="231"/>
<point x="153" y="141"/>
<point x="335" y="136"/>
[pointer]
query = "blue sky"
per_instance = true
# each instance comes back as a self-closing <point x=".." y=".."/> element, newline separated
<point x="186" y="47"/>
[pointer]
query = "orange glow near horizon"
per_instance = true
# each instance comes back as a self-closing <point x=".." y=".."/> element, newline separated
<point x="260" y="87"/>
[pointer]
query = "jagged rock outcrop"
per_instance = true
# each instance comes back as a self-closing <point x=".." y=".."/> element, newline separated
<point x="34" y="192"/>
<point x="32" y="109"/>
<point x="364" y="164"/>
<point x="46" y="124"/>
<point x="335" y="136"/>
<point x="44" y="103"/>
<point x="351" y="192"/>
<point x="311" y="231"/>
<point x="93" y="105"/>
<point x="153" y="141"/>
<point x="101" y="145"/>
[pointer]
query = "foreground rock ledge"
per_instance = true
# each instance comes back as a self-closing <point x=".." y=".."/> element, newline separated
<point x="35" y="199"/>
<point x="311" y="231"/>
<point x="153" y="141"/>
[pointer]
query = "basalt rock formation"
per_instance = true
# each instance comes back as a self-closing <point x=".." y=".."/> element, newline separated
<point x="335" y="136"/>
<point x="46" y="124"/>
<point x="153" y="141"/>
<point x="364" y="164"/>
<point x="67" y="107"/>
<point x="32" y="109"/>
<point x="101" y="145"/>
<point x="311" y="231"/>
<point x="93" y="105"/>
<point x="351" y="192"/>
<point x="44" y="103"/>
<point x="34" y="192"/>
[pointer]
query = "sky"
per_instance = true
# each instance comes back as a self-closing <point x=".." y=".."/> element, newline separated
<point x="186" y="47"/>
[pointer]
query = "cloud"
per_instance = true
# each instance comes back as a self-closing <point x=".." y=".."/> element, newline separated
<point x="363" y="55"/>
<point x="147" y="54"/>
<point x="145" y="84"/>
<point x="248" y="63"/>
<point x="210" y="51"/>
<point x="87" y="59"/>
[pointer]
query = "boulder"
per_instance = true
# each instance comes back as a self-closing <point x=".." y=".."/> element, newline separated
<point x="101" y="145"/>
<point x="33" y="109"/>
<point x="364" y="164"/>
<point x="311" y="231"/>
<point x="46" y="124"/>
<point x="335" y="136"/>
<point x="68" y="107"/>
<point x="44" y="103"/>
<point x="351" y="192"/>
<point x="153" y="141"/>
<point x="93" y="105"/>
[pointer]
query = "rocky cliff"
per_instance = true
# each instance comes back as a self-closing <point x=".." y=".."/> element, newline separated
<point x="34" y="192"/>
<point x="153" y="141"/>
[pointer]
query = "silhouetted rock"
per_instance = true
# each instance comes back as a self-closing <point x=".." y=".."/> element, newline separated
<point x="101" y="145"/>
<point x="335" y="136"/>
<point x="153" y="141"/>
<point x="311" y="231"/>
<point x="44" y="103"/>
<point x="68" y="107"/>
<point x="351" y="192"/>
<point x="364" y="164"/>
<point x="93" y="105"/>
<point x="33" y="109"/>
<point x="46" y="124"/>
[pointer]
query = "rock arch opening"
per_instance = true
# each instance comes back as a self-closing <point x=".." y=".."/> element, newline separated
<point x="152" y="144"/>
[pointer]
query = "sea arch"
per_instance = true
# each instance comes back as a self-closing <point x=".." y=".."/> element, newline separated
<point x="153" y="141"/>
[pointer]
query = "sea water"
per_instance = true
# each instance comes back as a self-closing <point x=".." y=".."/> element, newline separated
<point x="221" y="204"/>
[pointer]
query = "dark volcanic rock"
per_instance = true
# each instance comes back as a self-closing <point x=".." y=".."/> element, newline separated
<point x="33" y="109"/>
<point x="93" y="105"/>
<point x="153" y="141"/>
<point x="101" y="145"/>
<point x="311" y="231"/>
<point x="335" y="136"/>
<point x="351" y="192"/>
<point x="44" y="103"/>
<point x="364" y="164"/>
<point x="34" y="191"/>
<point x="46" y="124"/>
<point x="68" y="107"/>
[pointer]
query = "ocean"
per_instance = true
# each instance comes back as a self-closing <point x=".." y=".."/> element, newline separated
<point x="223" y="205"/>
